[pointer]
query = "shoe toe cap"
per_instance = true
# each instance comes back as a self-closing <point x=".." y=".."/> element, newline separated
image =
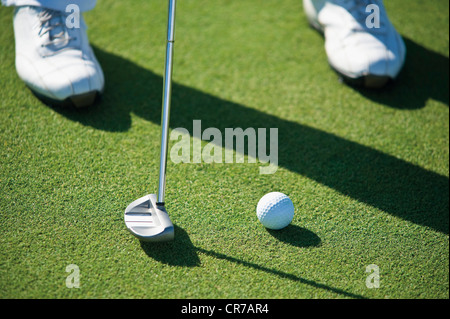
<point x="367" y="55"/>
<point x="61" y="77"/>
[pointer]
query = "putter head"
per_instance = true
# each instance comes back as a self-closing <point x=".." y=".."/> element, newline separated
<point x="148" y="221"/>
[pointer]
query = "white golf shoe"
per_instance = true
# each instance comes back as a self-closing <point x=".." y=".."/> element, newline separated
<point x="361" y="43"/>
<point x="56" y="62"/>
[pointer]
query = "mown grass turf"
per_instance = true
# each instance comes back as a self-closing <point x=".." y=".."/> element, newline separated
<point x="367" y="171"/>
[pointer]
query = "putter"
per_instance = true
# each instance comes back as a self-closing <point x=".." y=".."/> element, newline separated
<point x="147" y="218"/>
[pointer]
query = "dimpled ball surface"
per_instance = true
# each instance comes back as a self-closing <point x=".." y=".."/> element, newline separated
<point x="275" y="210"/>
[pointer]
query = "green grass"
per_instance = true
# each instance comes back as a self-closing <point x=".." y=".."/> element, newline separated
<point x="367" y="171"/>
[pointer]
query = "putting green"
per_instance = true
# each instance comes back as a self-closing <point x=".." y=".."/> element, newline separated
<point x="367" y="171"/>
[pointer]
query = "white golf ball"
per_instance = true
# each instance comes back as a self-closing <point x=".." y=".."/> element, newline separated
<point x="275" y="210"/>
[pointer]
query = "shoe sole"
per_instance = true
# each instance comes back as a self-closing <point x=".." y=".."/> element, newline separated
<point x="76" y="101"/>
<point x="84" y="100"/>
<point x="369" y="81"/>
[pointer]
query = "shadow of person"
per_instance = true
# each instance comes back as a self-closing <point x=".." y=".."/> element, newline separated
<point x="383" y="181"/>
<point x="296" y="236"/>
<point x="425" y="76"/>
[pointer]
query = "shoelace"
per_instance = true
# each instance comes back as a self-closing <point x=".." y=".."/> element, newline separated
<point x="51" y="22"/>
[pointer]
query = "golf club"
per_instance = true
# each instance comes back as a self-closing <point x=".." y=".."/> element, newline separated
<point x="146" y="218"/>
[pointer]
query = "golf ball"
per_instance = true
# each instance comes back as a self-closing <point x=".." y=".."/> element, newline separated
<point x="275" y="210"/>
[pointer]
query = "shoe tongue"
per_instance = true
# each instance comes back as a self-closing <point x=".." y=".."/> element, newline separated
<point x="359" y="10"/>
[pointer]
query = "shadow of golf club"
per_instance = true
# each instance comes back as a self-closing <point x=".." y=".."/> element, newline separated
<point x="280" y="274"/>
<point x="181" y="252"/>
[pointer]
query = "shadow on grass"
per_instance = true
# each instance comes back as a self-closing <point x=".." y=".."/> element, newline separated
<point x="280" y="274"/>
<point x="296" y="236"/>
<point x="425" y="76"/>
<point x="181" y="252"/>
<point x="383" y="181"/>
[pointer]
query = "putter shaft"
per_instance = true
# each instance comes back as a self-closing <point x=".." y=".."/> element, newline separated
<point x="167" y="94"/>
